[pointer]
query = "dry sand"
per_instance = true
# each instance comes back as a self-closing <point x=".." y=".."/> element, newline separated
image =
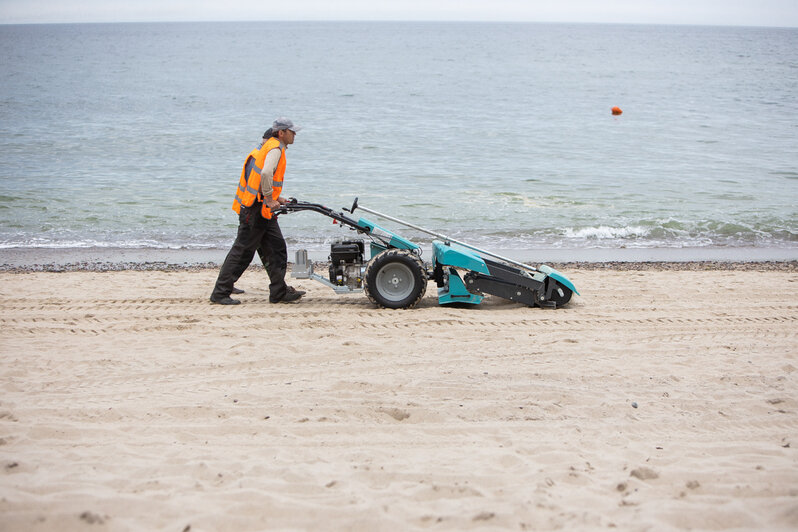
<point x="658" y="400"/>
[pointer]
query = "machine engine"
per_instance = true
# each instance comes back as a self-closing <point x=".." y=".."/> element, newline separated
<point x="346" y="263"/>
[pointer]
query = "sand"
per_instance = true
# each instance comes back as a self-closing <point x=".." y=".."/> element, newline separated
<point x="661" y="399"/>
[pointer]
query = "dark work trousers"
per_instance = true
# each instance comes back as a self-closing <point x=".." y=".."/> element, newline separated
<point x="255" y="233"/>
<point x="246" y="259"/>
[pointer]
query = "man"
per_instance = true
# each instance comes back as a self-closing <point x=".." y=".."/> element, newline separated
<point x="259" y="191"/>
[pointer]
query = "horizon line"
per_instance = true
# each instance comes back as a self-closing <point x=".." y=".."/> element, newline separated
<point x="455" y="21"/>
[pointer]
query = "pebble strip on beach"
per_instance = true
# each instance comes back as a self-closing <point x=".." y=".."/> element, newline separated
<point x="783" y="266"/>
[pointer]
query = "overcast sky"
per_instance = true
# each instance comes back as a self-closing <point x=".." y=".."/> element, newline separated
<point x="712" y="12"/>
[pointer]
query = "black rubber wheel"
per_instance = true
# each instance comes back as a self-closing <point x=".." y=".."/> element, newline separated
<point x="395" y="279"/>
<point x="561" y="295"/>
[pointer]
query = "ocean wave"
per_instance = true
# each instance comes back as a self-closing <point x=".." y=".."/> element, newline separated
<point x="640" y="233"/>
<point x="41" y="243"/>
<point x="672" y="232"/>
<point x="605" y="232"/>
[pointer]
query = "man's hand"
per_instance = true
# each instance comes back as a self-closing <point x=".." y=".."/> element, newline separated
<point x="271" y="203"/>
<point x="282" y="200"/>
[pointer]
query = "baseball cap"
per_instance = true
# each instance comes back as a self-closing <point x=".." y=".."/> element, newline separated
<point x="284" y="123"/>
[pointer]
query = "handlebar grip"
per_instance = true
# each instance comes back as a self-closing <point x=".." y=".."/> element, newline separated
<point x="284" y="209"/>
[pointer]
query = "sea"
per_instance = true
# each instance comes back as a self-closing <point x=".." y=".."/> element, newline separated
<point x="130" y="137"/>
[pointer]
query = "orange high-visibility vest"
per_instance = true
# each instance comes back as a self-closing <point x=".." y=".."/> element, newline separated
<point x="249" y="184"/>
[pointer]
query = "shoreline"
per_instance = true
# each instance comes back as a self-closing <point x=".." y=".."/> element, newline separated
<point x="17" y="260"/>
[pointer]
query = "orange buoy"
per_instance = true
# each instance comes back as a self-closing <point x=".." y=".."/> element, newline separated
<point x="617" y="111"/>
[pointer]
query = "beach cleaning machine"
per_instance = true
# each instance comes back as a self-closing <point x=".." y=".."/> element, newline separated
<point x="396" y="277"/>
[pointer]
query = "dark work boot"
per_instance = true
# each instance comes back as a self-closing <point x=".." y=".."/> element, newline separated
<point x="290" y="297"/>
<point x="227" y="300"/>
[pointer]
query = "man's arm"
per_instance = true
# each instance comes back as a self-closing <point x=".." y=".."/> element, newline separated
<point x="267" y="176"/>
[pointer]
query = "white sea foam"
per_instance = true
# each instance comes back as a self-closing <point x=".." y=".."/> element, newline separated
<point x="604" y="232"/>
